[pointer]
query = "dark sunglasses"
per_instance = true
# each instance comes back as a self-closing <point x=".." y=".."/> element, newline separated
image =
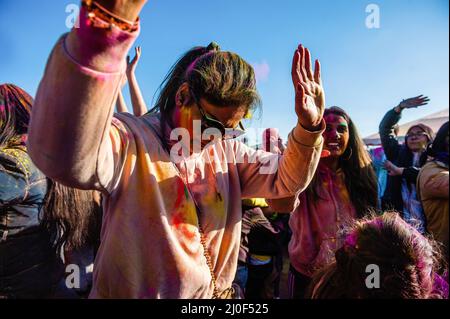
<point x="209" y="121"/>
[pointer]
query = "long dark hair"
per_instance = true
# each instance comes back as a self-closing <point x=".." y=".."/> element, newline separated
<point x="222" y="78"/>
<point x="360" y="178"/>
<point x="15" y="112"/>
<point x="408" y="263"/>
<point x="75" y="214"/>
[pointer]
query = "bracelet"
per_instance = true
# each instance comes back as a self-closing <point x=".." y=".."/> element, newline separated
<point x="109" y="19"/>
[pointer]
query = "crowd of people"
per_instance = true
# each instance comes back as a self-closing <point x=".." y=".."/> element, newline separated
<point x="171" y="203"/>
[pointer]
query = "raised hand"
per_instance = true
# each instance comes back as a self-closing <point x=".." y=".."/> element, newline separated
<point x="131" y="65"/>
<point x="414" y="102"/>
<point x="137" y="100"/>
<point x="309" y="93"/>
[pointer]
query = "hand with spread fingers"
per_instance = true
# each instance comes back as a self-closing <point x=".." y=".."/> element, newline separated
<point x="414" y="102"/>
<point x="137" y="99"/>
<point x="309" y="93"/>
<point x="132" y="64"/>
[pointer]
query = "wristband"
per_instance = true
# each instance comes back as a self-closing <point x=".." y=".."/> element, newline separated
<point x="108" y="20"/>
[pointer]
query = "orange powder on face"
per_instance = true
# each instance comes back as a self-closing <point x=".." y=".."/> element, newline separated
<point x="183" y="118"/>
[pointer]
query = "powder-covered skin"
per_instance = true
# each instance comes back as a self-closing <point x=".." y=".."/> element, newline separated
<point x="150" y="239"/>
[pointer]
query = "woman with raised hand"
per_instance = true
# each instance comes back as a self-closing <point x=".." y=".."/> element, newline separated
<point x="343" y="189"/>
<point x="172" y="221"/>
<point x="404" y="162"/>
<point x="137" y="100"/>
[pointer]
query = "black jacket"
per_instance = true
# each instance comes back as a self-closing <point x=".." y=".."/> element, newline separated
<point x="401" y="156"/>
<point x="258" y="235"/>
<point x="29" y="264"/>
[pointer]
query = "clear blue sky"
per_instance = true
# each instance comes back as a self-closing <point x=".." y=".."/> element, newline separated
<point x="365" y="71"/>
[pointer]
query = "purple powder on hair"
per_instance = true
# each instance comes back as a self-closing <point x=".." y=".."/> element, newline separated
<point x="440" y="286"/>
<point x="194" y="63"/>
<point x="377" y="223"/>
<point x="351" y="240"/>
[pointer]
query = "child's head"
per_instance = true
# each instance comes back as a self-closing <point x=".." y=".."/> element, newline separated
<point x="406" y="261"/>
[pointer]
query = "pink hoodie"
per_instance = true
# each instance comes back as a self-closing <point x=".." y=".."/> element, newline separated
<point x="316" y="225"/>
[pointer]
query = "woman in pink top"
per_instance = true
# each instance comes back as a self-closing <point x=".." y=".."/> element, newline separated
<point x="343" y="188"/>
<point x="172" y="215"/>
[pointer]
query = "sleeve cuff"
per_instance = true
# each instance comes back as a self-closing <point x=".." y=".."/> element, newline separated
<point x="307" y="138"/>
<point x="100" y="49"/>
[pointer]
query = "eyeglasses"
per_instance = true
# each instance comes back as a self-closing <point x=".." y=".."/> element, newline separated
<point x="209" y="121"/>
<point x="419" y="134"/>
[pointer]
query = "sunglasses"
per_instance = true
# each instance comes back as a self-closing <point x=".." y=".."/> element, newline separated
<point x="419" y="134"/>
<point x="209" y="121"/>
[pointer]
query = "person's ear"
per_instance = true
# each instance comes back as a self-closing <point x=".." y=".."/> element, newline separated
<point x="183" y="97"/>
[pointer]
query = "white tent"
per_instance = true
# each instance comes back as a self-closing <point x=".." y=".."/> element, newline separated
<point x="434" y="121"/>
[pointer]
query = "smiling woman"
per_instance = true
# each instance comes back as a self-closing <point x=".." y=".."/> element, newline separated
<point x="336" y="135"/>
<point x="404" y="162"/>
<point x="343" y="189"/>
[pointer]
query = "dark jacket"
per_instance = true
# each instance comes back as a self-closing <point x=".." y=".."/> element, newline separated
<point x="258" y="235"/>
<point x="401" y="156"/>
<point x="29" y="264"/>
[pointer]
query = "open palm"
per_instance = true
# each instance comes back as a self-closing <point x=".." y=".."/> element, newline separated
<point x="309" y="93"/>
<point x="414" y="102"/>
<point x="132" y="64"/>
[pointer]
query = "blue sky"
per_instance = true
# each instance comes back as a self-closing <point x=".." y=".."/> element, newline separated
<point x="365" y="71"/>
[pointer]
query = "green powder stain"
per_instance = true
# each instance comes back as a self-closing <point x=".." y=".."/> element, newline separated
<point x="186" y="193"/>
